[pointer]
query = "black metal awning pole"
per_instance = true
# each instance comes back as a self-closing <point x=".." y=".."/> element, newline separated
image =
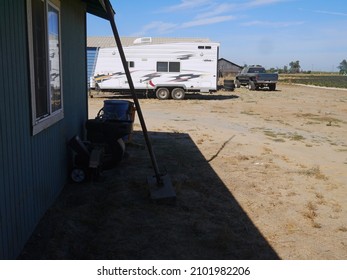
<point x="132" y="88"/>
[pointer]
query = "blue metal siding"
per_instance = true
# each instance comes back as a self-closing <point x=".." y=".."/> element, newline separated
<point x="14" y="127"/>
<point x="75" y="68"/>
<point x="92" y="54"/>
<point x="33" y="169"/>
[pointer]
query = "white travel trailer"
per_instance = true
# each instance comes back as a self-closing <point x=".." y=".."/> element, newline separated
<point x="166" y="70"/>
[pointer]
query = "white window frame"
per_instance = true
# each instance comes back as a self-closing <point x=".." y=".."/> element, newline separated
<point x="40" y="124"/>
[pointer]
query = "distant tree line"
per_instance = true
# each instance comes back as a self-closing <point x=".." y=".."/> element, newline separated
<point x="294" y="67"/>
<point x="343" y="67"/>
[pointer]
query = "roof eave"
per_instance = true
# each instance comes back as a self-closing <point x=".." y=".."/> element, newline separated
<point x="97" y="8"/>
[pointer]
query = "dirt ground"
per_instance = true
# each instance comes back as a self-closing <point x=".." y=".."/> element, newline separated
<point x="258" y="175"/>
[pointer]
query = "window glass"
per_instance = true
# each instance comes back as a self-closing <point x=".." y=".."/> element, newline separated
<point x="168" y="66"/>
<point x="54" y="58"/>
<point x="40" y="58"/>
<point x="174" y="67"/>
<point x="256" y="70"/>
<point x="162" y="67"/>
<point x="45" y="63"/>
<point x="131" y="64"/>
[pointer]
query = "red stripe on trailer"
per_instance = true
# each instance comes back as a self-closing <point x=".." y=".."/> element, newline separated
<point x="151" y="83"/>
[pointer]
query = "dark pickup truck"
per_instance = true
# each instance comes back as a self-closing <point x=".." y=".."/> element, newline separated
<point x="255" y="77"/>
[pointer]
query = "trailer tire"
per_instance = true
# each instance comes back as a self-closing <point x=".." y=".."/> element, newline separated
<point x="162" y="93"/>
<point x="178" y="93"/>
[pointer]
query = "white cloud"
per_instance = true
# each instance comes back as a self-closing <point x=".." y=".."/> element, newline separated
<point x="206" y="21"/>
<point x="272" y="23"/>
<point x="156" y="27"/>
<point x="186" y="5"/>
<point x="217" y="10"/>
<point x="257" y="3"/>
<point x="207" y="12"/>
<point x="159" y="27"/>
<point x="331" y="13"/>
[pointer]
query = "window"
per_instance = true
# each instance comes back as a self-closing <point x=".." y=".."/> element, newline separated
<point x="256" y="70"/>
<point x="174" y="67"/>
<point x="204" y="47"/>
<point x="168" y="66"/>
<point x="45" y="63"/>
<point x="162" y="66"/>
<point x="131" y="64"/>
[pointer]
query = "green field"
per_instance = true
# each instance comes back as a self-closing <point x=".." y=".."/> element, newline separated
<point x="324" y="80"/>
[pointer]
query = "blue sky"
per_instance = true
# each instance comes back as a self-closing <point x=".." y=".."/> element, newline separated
<point x="268" y="32"/>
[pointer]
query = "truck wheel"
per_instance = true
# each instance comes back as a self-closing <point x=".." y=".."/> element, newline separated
<point x="251" y="85"/>
<point x="162" y="93"/>
<point x="272" y="87"/>
<point x="178" y="93"/>
<point x="237" y="84"/>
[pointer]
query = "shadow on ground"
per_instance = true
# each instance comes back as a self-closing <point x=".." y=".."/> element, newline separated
<point x="198" y="96"/>
<point x="115" y="218"/>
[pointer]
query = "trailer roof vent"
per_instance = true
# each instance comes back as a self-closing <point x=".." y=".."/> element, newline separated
<point x="143" y="40"/>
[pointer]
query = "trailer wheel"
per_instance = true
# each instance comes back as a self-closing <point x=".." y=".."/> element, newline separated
<point x="162" y="93"/>
<point x="178" y="93"/>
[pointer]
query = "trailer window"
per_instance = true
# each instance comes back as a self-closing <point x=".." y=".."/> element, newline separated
<point x="45" y="63"/>
<point x="162" y="66"/>
<point x="168" y="66"/>
<point x="204" y="47"/>
<point x="131" y="64"/>
<point x="174" y="66"/>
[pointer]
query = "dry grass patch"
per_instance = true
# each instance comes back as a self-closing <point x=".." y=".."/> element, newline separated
<point x="250" y="113"/>
<point x="317" y="119"/>
<point x="278" y="136"/>
<point x="296" y="137"/>
<point x="242" y="157"/>
<point x="311" y="214"/>
<point x="313" y="172"/>
<point x="320" y="199"/>
<point x="342" y="228"/>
